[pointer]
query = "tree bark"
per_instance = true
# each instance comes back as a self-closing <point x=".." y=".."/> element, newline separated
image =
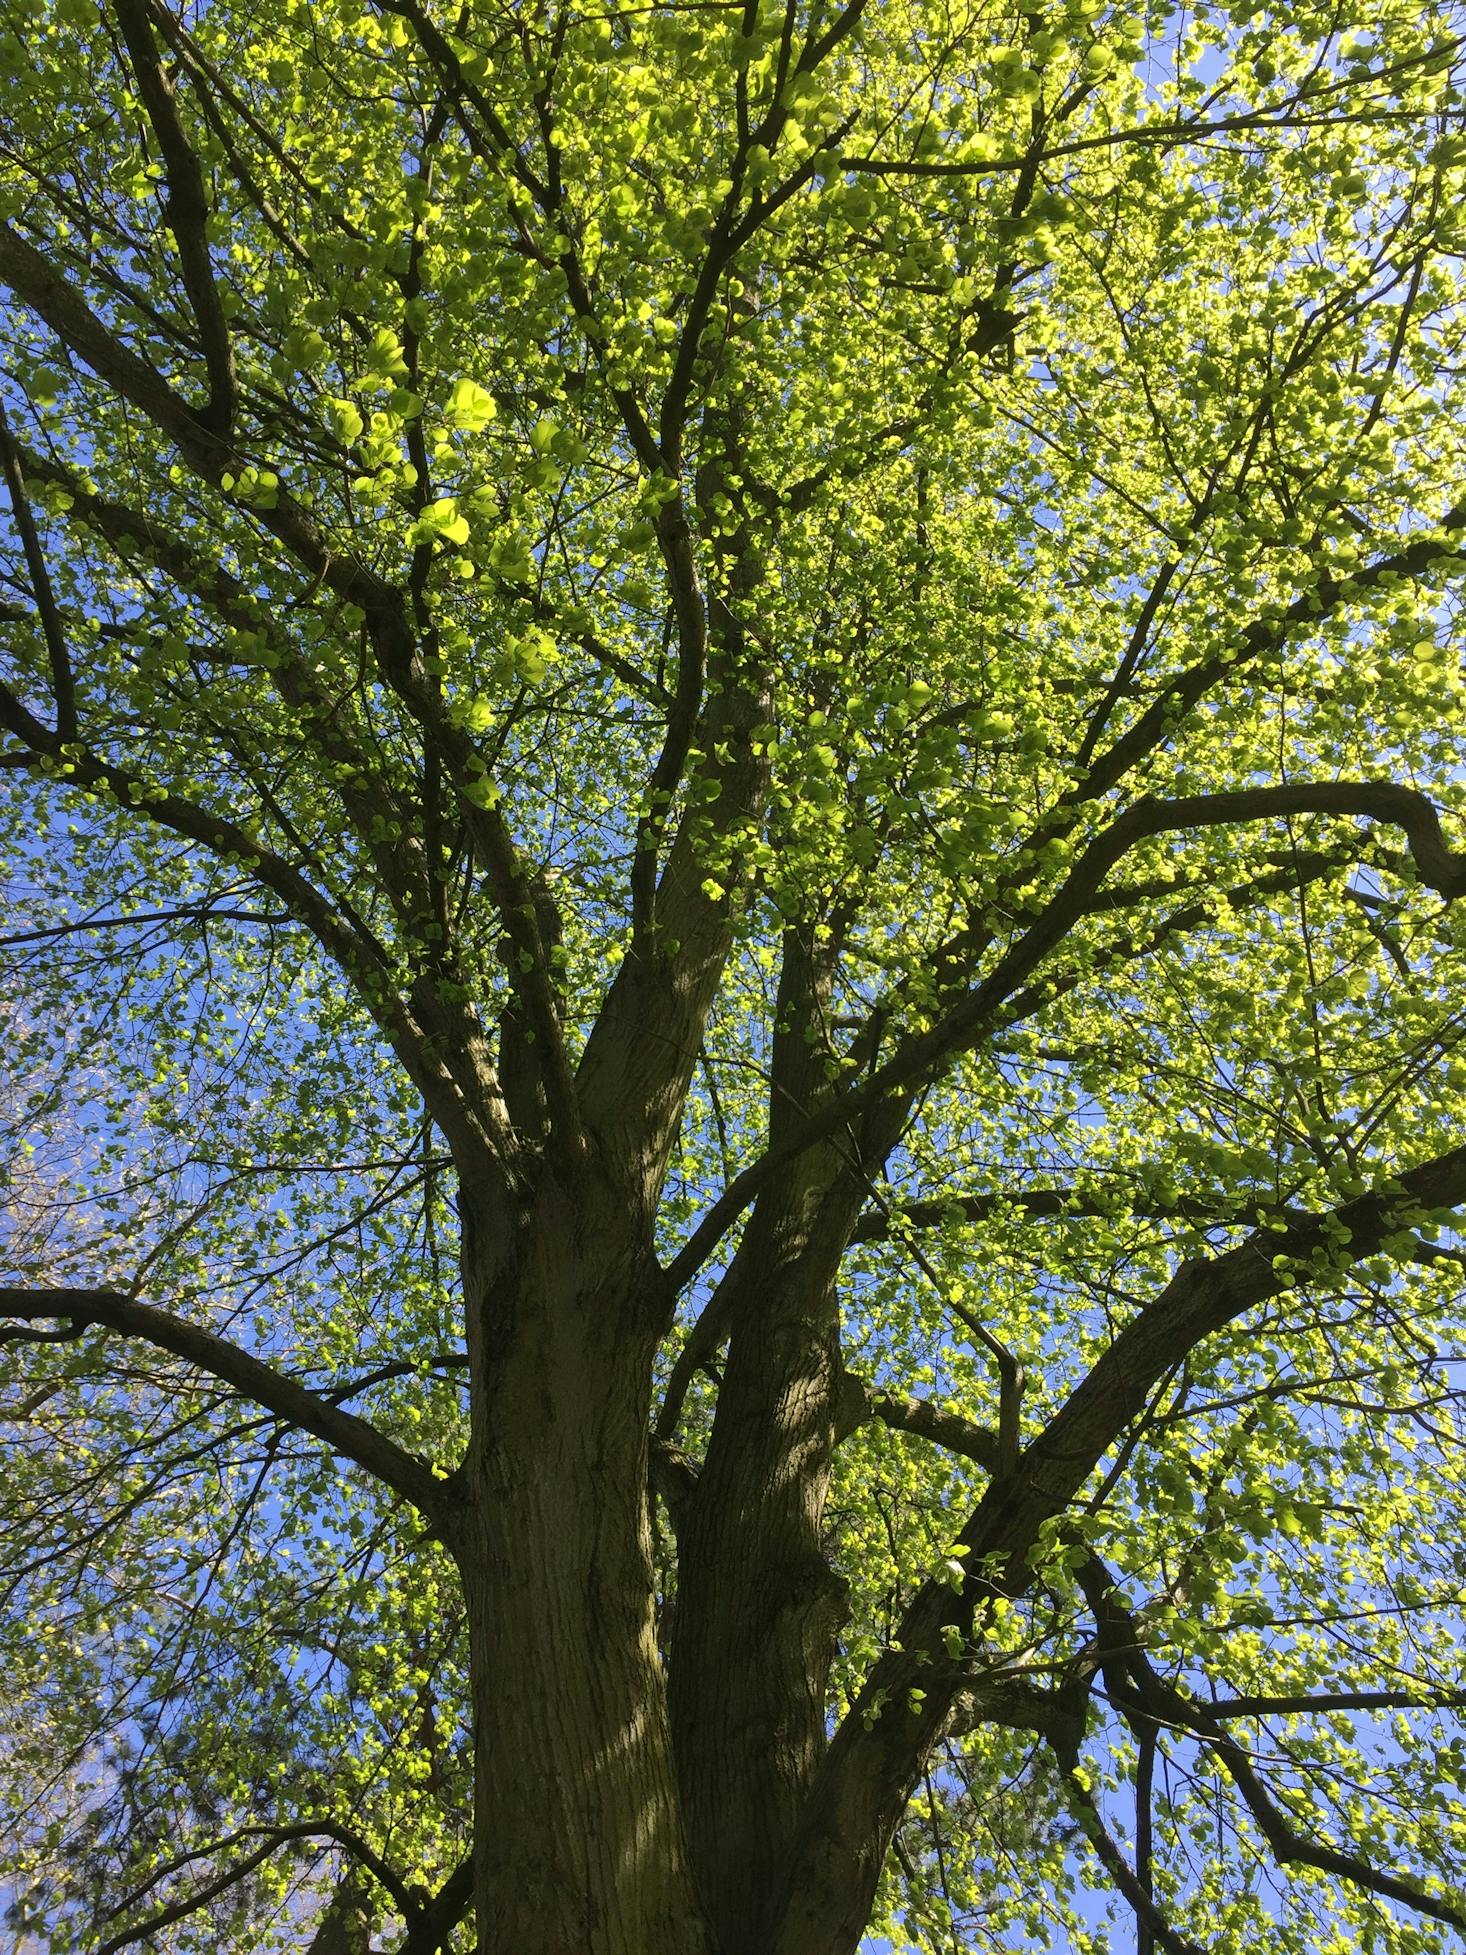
<point x="759" y="1608"/>
<point x="578" y="1836"/>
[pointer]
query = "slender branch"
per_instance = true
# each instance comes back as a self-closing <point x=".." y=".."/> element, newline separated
<point x="450" y="71"/>
<point x="463" y="1055"/>
<point x="63" y="686"/>
<point x="690" y="611"/>
<point x="363" y="960"/>
<point x="180" y="1910"/>
<point x="188" y="913"/>
<point x="35" y="281"/>
<point x="68" y="1334"/>
<point x="1262" y="638"/>
<point x="1125" y="671"/>
<point x="728" y="233"/>
<point x="402" y="1894"/>
<point x="1035" y="1204"/>
<point x="1011" y="1378"/>
<point x="1321" y="1703"/>
<point x="1147" y="1742"/>
<point x="354" y="1438"/>
<point x="186" y="211"/>
<point x="1147" y="1914"/>
<point x="1167" y="134"/>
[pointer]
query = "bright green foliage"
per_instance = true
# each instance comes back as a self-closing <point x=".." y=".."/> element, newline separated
<point x="1025" y="420"/>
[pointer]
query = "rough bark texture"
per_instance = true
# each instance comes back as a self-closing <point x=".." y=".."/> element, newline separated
<point x="579" y="1845"/>
<point x="759" y="1605"/>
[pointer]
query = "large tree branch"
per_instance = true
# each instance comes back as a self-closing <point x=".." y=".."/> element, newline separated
<point x="639" y="1058"/>
<point x="757" y="1606"/>
<point x="1264" y="637"/>
<point x="873" y="1760"/>
<point x="1321" y="1703"/>
<point x="427" y="1933"/>
<point x="36" y="282"/>
<point x="1221" y="1210"/>
<point x="904" y="1412"/>
<point x="352" y="1437"/>
<point x="787" y="1225"/>
<point x="887" y="1220"/>
<point x="1080" y="892"/>
<point x="1145" y="1690"/>
<point x="923" y="1057"/>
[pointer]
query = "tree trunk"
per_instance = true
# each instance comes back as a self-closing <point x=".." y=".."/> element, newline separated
<point x="346" y="1926"/>
<point x="578" y="1837"/>
<point x="758" y="1607"/>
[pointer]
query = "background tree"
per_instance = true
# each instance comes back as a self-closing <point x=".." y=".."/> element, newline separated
<point x="732" y="775"/>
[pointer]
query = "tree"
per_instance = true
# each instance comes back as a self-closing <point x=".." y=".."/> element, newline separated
<point x="732" y="767"/>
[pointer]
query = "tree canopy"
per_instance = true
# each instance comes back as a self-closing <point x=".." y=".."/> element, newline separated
<point x="731" y="762"/>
